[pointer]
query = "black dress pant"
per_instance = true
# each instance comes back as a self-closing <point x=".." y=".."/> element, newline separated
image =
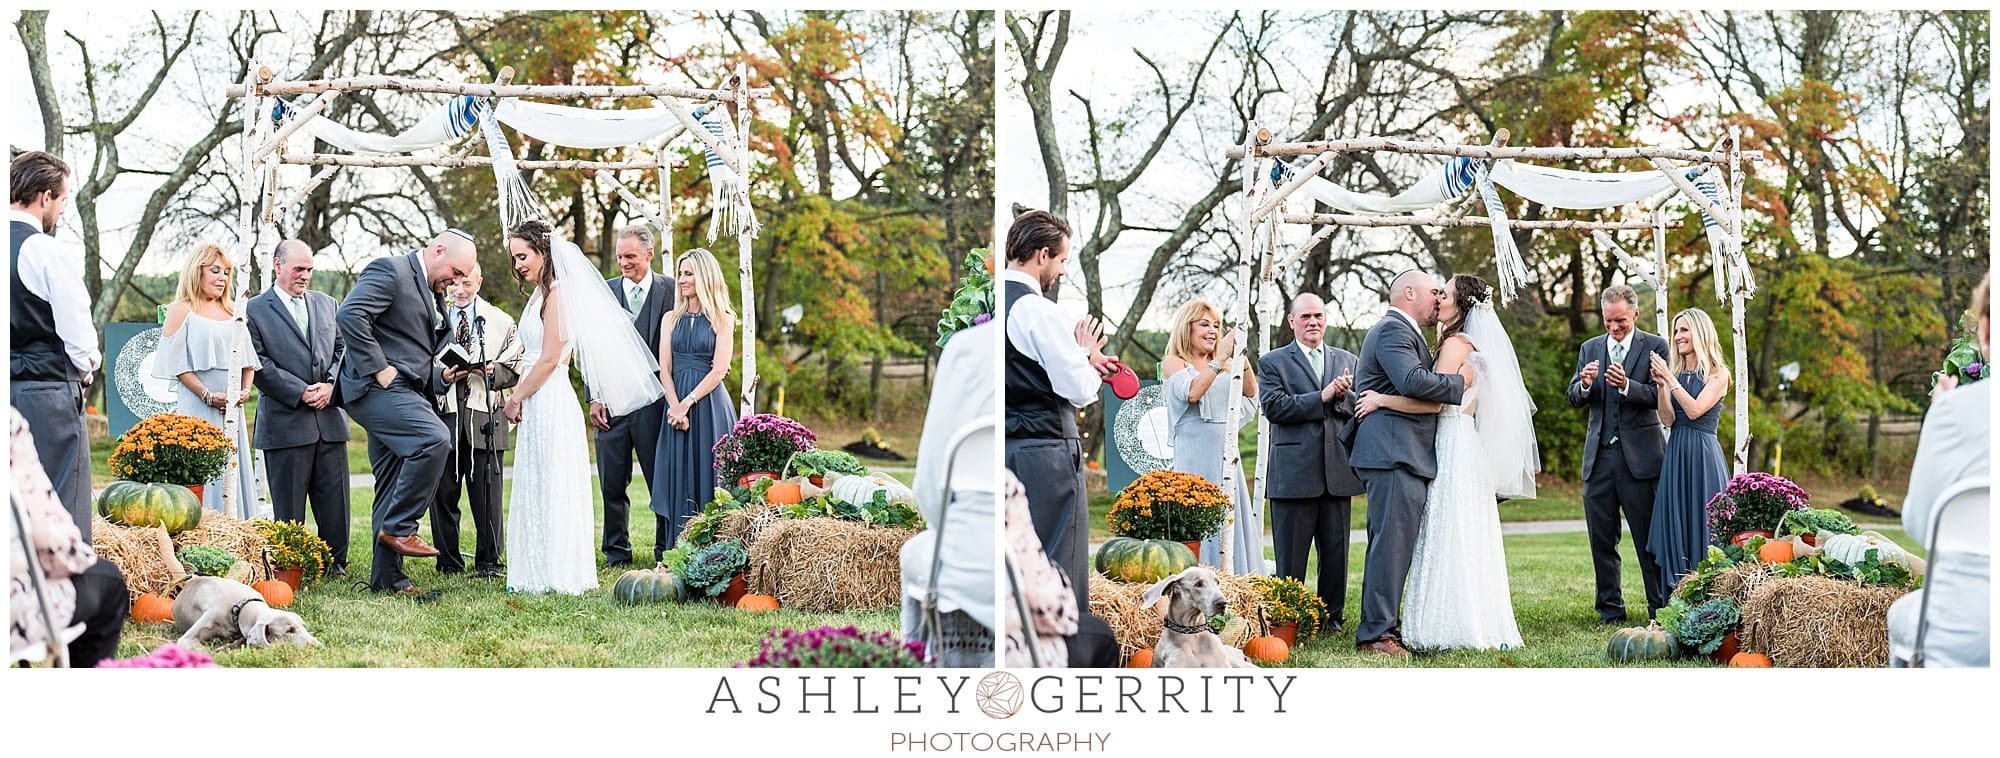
<point x="1612" y="488"/>
<point x="476" y="470"/>
<point x="1297" y="526"/>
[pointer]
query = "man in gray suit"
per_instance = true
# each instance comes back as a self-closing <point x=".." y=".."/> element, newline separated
<point x="1307" y="390"/>
<point x="1395" y="453"/>
<point x="300" y="426"/>
<point x="1622" y="449"/>
<point x="393" y="325"/>
<point x="648" y="297"/>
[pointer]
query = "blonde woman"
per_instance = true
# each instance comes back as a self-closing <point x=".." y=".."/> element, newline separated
<point x="1693" y="469"/>
<point x="694" y="359"/>
<point x="195" y="345"/>
<point x="1196" y="374"/>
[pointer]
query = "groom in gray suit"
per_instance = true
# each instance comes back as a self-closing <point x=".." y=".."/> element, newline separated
<point x="1622" y="449"/>
<point x="392" y="323"/>
<point x="1395" y="453"/>
<point x="1307" y="391"/>
<point x="299" y="424"/>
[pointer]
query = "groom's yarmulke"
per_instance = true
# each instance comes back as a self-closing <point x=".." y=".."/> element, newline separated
<point x="462" y="233"/>
<point x="1124" y="383"/>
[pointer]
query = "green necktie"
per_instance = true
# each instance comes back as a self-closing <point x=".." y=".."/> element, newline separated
<point x="1313" y="357"/>
<point x="298" y="309"/>
<point x="633" y="302"/>
<point x="1618" y="353"/>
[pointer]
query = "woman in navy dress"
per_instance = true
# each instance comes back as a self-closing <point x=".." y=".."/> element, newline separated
<point x="693" y="362"/>
<point x="1693" y="469"/>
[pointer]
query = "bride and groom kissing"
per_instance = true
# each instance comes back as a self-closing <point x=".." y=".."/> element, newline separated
<point x="1435" y="442"/>
<point x="393" y="322"/>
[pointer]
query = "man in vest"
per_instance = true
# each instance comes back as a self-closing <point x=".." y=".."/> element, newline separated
<point x="52" y="340"/>
<point x="1054" y="367"/>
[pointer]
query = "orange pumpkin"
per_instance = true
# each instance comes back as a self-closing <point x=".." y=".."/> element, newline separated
<point x="1750" y="661"/>
<point x="1775" y="551"/>
<point x="152" y="609"/>
<point x="783" y="493"/>
<point x="1141" y="659"/>
<point x="276" y="594"/>
<point x="1267" y="649"/>
<point x="757" y="603"/>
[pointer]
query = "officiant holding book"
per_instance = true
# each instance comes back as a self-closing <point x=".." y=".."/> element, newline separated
<point x="481" y="361"/>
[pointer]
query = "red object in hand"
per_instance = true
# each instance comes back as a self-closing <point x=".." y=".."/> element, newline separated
<point x="1124" y="383"/>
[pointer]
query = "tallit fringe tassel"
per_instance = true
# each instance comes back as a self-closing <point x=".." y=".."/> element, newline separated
<point x="515" y="202"/>
<point x="1506" y="257"/>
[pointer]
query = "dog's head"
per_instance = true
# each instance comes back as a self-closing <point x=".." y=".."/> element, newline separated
<point x="274" y="626"/>
<point x="1194" y="589"/>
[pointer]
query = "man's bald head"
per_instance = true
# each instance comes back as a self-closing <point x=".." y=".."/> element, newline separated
<point x="293" y="264"/>
<point x="449" y="256"/>
<point x="1416" y="293"/>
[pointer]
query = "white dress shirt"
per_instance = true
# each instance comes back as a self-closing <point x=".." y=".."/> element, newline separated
<point x="55" y="273"/>
<point x="1042" y="332"/>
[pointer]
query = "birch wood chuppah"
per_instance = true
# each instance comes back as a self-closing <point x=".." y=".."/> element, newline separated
<point x="1263" y="202"/>
<point x="265" y="150"/>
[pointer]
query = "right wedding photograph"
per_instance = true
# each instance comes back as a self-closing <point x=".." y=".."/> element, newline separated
<point x="1495" y="339"/>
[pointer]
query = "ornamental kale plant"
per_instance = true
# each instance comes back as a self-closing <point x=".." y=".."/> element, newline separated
<point x="206" y="560"/>
<point x="760" y="442"/>
<point x="835" y="647"/>
<point x="711" y="568"/>
<point x="1753" y="502"/>
<point x="1704" y="626"/>
<point x="1816" y="520"/>
<point x="973" y="303"/>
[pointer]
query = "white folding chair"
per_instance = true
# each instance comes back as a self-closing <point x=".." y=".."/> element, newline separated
<point x="969" y="463"/>
<point x="58" y="653"/>
<point x="1959" y="527"/>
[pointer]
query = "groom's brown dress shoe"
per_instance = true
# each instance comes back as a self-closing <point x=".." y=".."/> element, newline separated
<point x="408" y="544"/>
<point x="1385" y="646"/>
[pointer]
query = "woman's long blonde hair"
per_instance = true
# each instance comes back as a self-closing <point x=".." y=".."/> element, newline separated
<point x="1707" y="346"/>
<point x="189" y="291"/>
<point x="709" y="288"/>
<point x="1180" y="343"/>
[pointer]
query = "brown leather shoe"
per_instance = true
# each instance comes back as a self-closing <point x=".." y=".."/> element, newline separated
<point x="409" y="544"/>
<point x="1385" y="646"/>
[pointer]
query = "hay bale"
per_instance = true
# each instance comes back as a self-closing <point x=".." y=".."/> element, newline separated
<point x="825" y="564"/>
<point x="742" y="524"/>
<point x="1739" y="581"/>
<point x="236" y="537"/>
<point x="144" y="554"/>
<point x="1817" y="621"/>
<point x="1135" y="628"/>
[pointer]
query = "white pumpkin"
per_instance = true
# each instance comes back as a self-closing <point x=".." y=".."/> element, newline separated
<point x="1852" y="549"/>
<point x="861" y="489"/>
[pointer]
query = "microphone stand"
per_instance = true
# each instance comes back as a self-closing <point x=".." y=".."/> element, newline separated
<point x="479" y="332"/>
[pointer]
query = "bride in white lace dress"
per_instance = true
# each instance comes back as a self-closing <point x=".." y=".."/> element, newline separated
<point x="551" y="534"/>
<point x="1456" y="595"/>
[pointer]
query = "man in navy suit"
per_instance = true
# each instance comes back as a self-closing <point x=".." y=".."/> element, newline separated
<point x="300" y="426"/>
<point x="648" y="297"/>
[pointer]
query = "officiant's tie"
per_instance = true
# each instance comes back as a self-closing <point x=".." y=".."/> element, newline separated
<point x="464" y="332"/>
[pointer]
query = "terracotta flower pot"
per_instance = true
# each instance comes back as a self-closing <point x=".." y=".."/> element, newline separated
<point x="1810" y="539"/>
<point x="1743" y="538"/>
<point x="292" y="575"/>
<point x="196" y="489"/>
<point x="1288" y="631"/>
<point x="745" y="480"/>
<point x="1194" y="546"/>
<point x="1730" y="647"/>
<point x="737" y="589"/>
<point x="817" y="480"/>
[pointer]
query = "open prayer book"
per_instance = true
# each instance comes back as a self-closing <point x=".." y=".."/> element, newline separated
<point x="454" y="356"/>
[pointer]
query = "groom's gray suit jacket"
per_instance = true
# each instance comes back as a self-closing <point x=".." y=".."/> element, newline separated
<point x="1395" y="360"/>
<point x="1308" y="459"/>
<point x="405" y="331"/>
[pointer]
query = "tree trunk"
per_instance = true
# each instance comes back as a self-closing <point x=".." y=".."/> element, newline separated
<point x="34" y="29"/>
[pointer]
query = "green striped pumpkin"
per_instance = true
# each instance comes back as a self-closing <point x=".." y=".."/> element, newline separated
<point x="654" y="585"/>
<point x="1132" y="560"/>
<point x="1640" y="644"/>
<point x="146" y="504"/>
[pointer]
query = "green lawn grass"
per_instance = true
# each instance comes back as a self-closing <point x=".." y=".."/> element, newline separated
<point x="1553" y="592"/>
<point x="477" y="623"/>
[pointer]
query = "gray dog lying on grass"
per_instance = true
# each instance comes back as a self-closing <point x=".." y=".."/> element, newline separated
<point x="214" y="609"/>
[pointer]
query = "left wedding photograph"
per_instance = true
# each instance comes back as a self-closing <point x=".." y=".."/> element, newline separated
<point x="497" y="339"/>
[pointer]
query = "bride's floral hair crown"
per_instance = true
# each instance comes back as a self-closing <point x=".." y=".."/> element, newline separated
<point x="1470" y="291"/>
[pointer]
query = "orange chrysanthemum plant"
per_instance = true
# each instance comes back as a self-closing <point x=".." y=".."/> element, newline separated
<point x="169" y="448"/>
<point x="1168" y="505"/>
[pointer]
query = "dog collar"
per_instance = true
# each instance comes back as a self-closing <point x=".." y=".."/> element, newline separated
<point x="236" y="611"/>
<point x="1185" y="629"/>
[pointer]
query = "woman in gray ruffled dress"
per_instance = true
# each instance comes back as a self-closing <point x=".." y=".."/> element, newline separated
<point x="195" y="347"/>
<point x="1197" y="398"/>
